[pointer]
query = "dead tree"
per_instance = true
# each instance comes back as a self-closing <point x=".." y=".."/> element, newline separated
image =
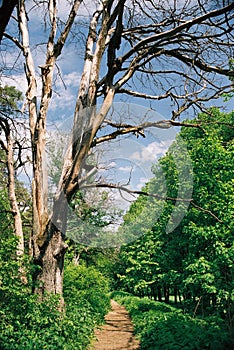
<point x="176" y="51"/>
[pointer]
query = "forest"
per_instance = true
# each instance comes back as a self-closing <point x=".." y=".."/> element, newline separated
<point x="180" y="280"/>
<point x="132" y="197"/>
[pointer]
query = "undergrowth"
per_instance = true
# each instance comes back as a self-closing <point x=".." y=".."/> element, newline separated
<point x="26" y="323"/>
<point x="160" y="326"/>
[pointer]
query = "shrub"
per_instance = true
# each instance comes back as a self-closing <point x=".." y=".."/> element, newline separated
<point x="27" y="323"/>
<point x="163" y="327"/>
<point x="88" y="285"/>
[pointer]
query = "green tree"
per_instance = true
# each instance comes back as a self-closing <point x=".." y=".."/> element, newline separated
<point x="194" y="261"/>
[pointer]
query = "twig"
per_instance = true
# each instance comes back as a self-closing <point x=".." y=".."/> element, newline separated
<point x="206" y="211"/>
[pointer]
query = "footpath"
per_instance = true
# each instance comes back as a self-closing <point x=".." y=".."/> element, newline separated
<point x="117" y="332"/>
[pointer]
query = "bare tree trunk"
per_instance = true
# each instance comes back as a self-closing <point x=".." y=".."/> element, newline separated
<point x="50" y="242"/>
<point x="49" y="277"/>
<point x="12" y="197"/>
<point x="8" y="147"/>
<point x="52" y="249"/>
<point x="47" y="233"/>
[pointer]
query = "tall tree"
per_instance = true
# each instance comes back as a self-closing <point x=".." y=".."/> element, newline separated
<point x="143" y="49"/>
<point x="9" y="99"/>
<point x="195" y="259"/>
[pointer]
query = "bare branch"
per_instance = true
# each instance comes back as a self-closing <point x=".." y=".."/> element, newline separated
<point x="124" y="129"/>
<point x="134" y="192"/>
<point x="148" y="194"/>
<point x="206" y="211"/>
<point x="61" y="41"/>
<point x="142" y="95"/>
<point x="15" y="41"/>
<point x="199" y="63"/>
<point x="174" y="31"/>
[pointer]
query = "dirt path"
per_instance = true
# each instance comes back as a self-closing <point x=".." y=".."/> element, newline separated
<point x="117" y="333"/>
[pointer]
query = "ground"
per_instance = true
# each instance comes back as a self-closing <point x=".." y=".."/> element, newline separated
<point x="117" y="332"/>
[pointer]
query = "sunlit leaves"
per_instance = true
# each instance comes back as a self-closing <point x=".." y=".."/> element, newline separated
<point x="195" y="260"/>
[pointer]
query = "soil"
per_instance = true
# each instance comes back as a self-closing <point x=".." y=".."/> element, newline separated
<point x="117" y="332"/>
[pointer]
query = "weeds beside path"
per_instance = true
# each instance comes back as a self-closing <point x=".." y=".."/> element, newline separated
<point x="117" y="333"/>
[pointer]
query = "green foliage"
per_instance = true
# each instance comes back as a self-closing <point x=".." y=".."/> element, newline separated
<point x="163" y="327"/>
<point x="89" y="286"/>
<point x="92" y="213"/>
<point x="9" y="98"/>
<point x="5" y="214"/>
<point x="27" y="322"/>
<point x="194" y="263"/>
<point x="103" y="259"/>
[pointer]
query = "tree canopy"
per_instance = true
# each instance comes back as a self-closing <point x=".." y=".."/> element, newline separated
<point x="194" y="261"/>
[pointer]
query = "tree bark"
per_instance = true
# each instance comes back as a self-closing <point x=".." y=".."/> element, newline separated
<point x="5" y="14"/>
<point x="47" y="232"/>
<point x="8" y="147"/>
<point x="52" y="248"/>
<point x="18" y="228"/>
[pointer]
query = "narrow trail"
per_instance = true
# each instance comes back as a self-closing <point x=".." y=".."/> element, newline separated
<point x="117" y="333"/>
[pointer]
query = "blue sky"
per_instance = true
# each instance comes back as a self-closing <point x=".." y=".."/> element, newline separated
<point x="123" y="157"/>
<point x="70" y="65"/>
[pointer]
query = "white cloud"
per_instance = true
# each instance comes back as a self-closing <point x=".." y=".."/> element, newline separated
<point x="127" y="169"/>
<point x="112" y="164"/>
<point x="65" y="91"/>
<point x="86" y="8"/>
<point x="19" y="81"/>
<point x="151" y="152"/>
<point x="70" y="79"/>
<point x="142" y="182"/>
<point x="37" y="13"/>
